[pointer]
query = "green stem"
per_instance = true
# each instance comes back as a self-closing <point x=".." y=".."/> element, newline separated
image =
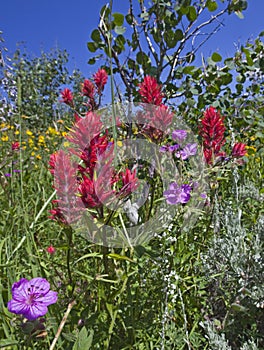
<point x="69" y="235"/>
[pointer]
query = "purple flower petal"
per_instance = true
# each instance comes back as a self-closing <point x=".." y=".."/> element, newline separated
<point x="174" y="186"/>
<point x="49" y="298"/>
<point x="174" y="148"/>
<point x="177" y="194"/>
<point x="163" y="149"/>
<point x="19" y="283"/>
<point x="171" y="197"/>
<point x="189" y="150"/>
<point x="186" y="188"/>
<point x="39" y="285"/>
<point x="17" y="307"/>
<point x="184" y="197"/>
<point x="31" y="298"/>
<point x="35" y="311"/>
<point x="179" y="135"/>
<point x="20" y="290"/>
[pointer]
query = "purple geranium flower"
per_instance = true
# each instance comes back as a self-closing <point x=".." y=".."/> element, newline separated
<point x="174" y="148"/>
<point x="179" y="135"/>
<point x="163" y="149"/>
<point x="177" y="194"/>
<point x="31" y="298"/>
<point x="189" y="150"/>
<point x="171" y="148"/>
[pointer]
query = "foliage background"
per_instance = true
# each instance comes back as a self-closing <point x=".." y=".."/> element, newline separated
<point x="197" y="290"/>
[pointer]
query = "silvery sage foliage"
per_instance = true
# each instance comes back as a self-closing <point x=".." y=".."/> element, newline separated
<point x="234" y="266"/>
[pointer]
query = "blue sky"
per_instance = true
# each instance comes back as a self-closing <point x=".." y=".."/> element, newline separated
<point x="68" y="24"/>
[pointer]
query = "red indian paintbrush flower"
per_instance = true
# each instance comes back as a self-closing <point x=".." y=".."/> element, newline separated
<point x="15" y="146"/>
<point x="212" y="131"/>
<point x="130" y="182"/>
<point x="150" y="91"/>
<point x="68" y="206"/>
<point x="67" y="97"/>
<point x="90" y="154"/>
<point x="161" y="118"/>
<point x="88" y="88"/>
<point x="239" y="150"/>
<point x="52" y="163"/>
<point x="85" y="130"/>
<point x="100" y="79"/>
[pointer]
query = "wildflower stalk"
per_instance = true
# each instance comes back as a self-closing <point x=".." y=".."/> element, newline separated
<point x="68" y="257"/>
<point x="109" y="44"/>
<point x="63" y="321"/>
<point x="114" y="314"/>
<point x="19" y="103"/>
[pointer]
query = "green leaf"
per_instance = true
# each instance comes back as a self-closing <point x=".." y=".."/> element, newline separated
<point x="183" y="10"/>
<point x="119" y="30"/>
<point x="5" y="342"/>
<point x="241" y="78"/>
<point x="188" y="69"/>
<point x="216" y="57"/>
<point x="118" y="19"/>
<point x="87" y="256"/>
<point x="211" y="5"/>
<point x="131" y="63"/>
<point x="170" y="38"/>
<point x="190" y="57"/>
<point x="238" y="307"/>
<point x="178" y="35"/>
<point x="192" y="15"/>
<point x="239" y="14"/>
<point x="120" y="257"/>
<point x="94" y="59"/>
<point x="91" y="61"/>
<point x="144" y="16"/>
<point x="92" y="46"/>
<point x="83" y="341"/>
<point x="96" y="35"/>
<point x="129" y="19"/>
<point x="142" y="58"/>
<point x="105" y="11"/>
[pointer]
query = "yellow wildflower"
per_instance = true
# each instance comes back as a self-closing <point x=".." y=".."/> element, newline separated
<point x="64" y="133"/>
<point x="41" y="139"/>
<point x="52" y="131"/>
<point x="30" y="142"/>
<point x="38" y="156"/>
<point x="4" y="138"/>
<point x="16" y="132"/>
<point x="251" y="149"/>
<point x="29" y="133"/>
